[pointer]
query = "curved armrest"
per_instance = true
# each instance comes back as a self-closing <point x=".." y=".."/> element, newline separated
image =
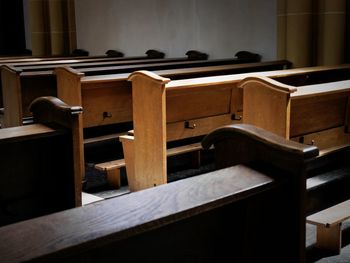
<point x="249" y="145"/>
<point x="53" y="110"/>
<point x="260" y="136"/>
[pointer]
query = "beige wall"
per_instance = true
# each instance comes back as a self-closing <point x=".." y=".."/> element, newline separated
<point x="311" y="32"/>
<point x="219" y="28"/>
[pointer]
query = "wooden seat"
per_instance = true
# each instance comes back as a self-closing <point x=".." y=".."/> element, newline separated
<point x="329" y="222"/>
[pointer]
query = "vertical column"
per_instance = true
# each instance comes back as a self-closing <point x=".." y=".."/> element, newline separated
<point x="53" y="27"/>
<point x="331" y="32"/>
<point x="281" y="28"/>
<point x="299" y="32"/>
<point x="38" y="27"/>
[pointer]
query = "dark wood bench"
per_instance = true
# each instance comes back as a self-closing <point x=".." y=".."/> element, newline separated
<point x="41" y="169"/>
<point x="188" y="220"/>
<point x="331" y="210"/>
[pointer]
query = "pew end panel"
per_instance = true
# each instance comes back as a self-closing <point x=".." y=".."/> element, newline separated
<point x="38" y="170"/>
<point x="266" y="104"/>
<point x="148" y="98"/>
<point x="53" y="112"/>
<point x="283" y="160"/>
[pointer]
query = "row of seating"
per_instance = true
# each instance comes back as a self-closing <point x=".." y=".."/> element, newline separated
<point x="194" y="107"/>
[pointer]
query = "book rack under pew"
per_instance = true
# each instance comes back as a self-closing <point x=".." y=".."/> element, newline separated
<point x="41" y="169"/>
<point x="226" y="214"/>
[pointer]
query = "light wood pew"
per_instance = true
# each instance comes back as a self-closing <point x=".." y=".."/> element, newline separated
<point x="106" y="100"/>
<point x="186" y="221"/>
<point x="20" y="87"/>
<point x="312" y="114"/>
<point x="41" y="169"/>
<point x="186" y="108"/>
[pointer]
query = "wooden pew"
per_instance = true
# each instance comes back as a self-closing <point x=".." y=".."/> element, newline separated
<point x="181" y="109"/>
<point x="29" y="85"/>
<point x="312" y="114"/>
<point x="107" y="100"/>
<point x="213" y="217"/>
<point x="329" y="213"/>
<point x="41" y="169"/>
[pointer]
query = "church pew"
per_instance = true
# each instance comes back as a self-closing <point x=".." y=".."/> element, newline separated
<point x="312" y="114"/>
<point x="41" y="169"/>
<point x="107" y="100"/>
<point x="29" y="85"/>
<point x="182" y="109"/>
<point x="103" y="95"/>
<point x="214" y="217"/>
<point x="327" y="213"/>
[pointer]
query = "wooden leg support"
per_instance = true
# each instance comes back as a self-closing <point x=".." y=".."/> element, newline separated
<point x="128" y="149"/>
<point x="113" y="177"/>
<point x="329" y="238"/>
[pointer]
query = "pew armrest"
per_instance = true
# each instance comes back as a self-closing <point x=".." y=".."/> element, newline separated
<point x="261" y="136"/>
<point x="51" y="109"/>
<point x="247" y="144"/>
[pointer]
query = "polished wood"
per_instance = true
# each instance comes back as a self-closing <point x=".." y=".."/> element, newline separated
<point x="298" y="112"/>
<point x="194" y="107"/>
<point x="35" y="82"/>
<point x="188" y="219"/>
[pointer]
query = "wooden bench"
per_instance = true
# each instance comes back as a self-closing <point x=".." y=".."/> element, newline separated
<point x="312" y="114"/>
<point x="329" y="223"/>
<point x="20" y="88"/>
<point x="206" y="103"/>
<point x="187" y="220"/>
<point x="41" y="165"/>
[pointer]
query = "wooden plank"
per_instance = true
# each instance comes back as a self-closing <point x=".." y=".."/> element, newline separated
<point x="127" y="216"/>
<point x="332" y="215"/>
<point x="31" y="131"/>
<point x="149" y="128"/>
